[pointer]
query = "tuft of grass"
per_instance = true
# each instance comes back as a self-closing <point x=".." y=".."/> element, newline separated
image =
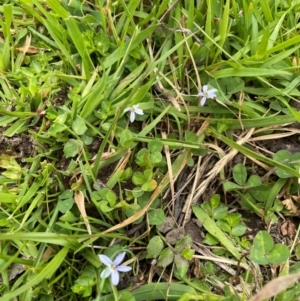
<point x="79" y="179"/>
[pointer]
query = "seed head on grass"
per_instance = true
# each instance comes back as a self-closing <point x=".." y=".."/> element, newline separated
<point x="134" y="110"/>
<point x="113" y="267"/>
<point x="206" y="94"/>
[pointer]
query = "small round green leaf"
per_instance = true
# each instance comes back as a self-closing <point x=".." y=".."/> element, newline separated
<point x="155" y="246"/>
<point x="166" y="257"/>
<point x="126" y="138"/>
<point x="78" y="126"/>
<point x="284" y="157"/>
<point x="253" y="181"/>
<point x="278" y="254"/>
<point x="156" y="217"/>
<point x="240" y="174"/>
<point x="263" y="242"/>
<point x="183" y="243"/>
<point x="138" y="178"/>
<point x="155" y="146"/>
<point x="239" y="230"/>
<point x="257" y="256"/>
<point x="155" y="157"/>
<point x="182" y="266"/>
<point x="65" y="205"/>
<point x="72" y="148"/>
<point x="229" y="186"/>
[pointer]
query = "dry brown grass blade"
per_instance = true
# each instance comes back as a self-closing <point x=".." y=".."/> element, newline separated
<point x="79" y="200"/>
<point x="154" y="195"/>
<point x="221" y="164"/>
<point x="273" y="136"/>
<point x="275" y="287"/>
<point x="199" y="173"/>
<point x="25" y="47"/>
<point x="169" y="163"/>
<point x="105" y="155"/>
<point x="218" y="260"/>
<point x="241" y="101"/>
<point x="187" y="206"/>
<point x="123" y="161"/>
<point x="279" y="128"/>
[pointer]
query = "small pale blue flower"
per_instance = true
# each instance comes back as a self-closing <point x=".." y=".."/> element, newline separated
<point x="206" y="94"/>
<point x="134" y="110"/>
<point x="113" y="267"/>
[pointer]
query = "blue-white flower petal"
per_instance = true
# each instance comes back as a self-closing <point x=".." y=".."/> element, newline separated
<point x="202" y="101"/>
<point x="115" y="277"/>
<point x="119" y="258"/>
<point x="124" y="268"/>
<point x="132" y="116"/>
<point x="105" y="260"/>
<point x="106" y="273"/>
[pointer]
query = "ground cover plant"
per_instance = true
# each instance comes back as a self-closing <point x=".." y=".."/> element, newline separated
<point x="149" y="150"/>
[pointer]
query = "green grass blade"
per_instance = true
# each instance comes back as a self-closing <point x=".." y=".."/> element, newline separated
<point x="212" y="228"/>
<point x="79" y="43"/>
<point x="46" y="272"/>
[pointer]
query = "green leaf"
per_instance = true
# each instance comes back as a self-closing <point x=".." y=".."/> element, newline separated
<point x="188" y="253"/>
<point x="253" y="181"/>
<point x="138" y="178"/>
<point x="233" y="219"/>
<point x="103" y="205"/>
<point x="68" y="217"/>
<point x="263" y="242"/>
<point x="156" y="217"/>
<point x="155" y="146"/>
<point x="65" y="205"/>
<point x="111" y="198"/>
<point x="126" y="138"/>
<point x="214" y="230"/>
<point x="79" y="126"/>
<point x="220" y="212"/>
<point x="191" y="137"/>
<point x="278" y="254"/>
<point x="108" y="195"/>
<point x="156" y="157"/>
<point x="261" y="193"/>
<point x="214" y="201"/>
<point x="264" y="251"/>
<point x="184" y="243"/>
<point x="165" y="258"/>
<point x="224" y="225"/>
<point x="229" y="186"/>
<point x="240" y="174"/>
<point x="72" y="148"/>
<point x="182" y="266"/>
<point x="284" y="157"/>
<point x="295" y="268"/>
<point x="83" y="286"/>
<point x="150" y="185"/>
<point x="239" y="230"/>
<point x="257" y="256"/>
<point x="155" y="246"/>
<point x="66" y="194"/>
<point x="210" y="240"/>
<point x="295" y="160"/>
<point x="148" y="174"/>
